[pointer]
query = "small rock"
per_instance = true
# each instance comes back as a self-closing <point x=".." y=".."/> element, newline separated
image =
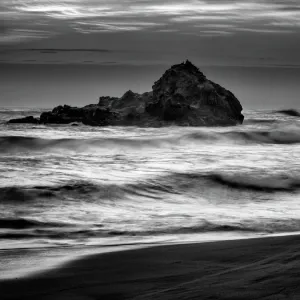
<point x="26" y="120"/>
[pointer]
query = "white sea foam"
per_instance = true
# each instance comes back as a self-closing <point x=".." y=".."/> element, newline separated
<point x="64" y="185"/>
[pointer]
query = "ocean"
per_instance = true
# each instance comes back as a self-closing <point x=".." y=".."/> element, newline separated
<point x="71" y="190"/>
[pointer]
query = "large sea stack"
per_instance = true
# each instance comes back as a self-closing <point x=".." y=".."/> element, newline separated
<point x="182" y="96"/>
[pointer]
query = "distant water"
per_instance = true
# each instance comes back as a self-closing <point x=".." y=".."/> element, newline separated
<point x="64" y="187"/>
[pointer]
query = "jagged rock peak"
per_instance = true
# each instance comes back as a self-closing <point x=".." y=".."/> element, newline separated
<point x="186" y="70"/>
<point x="128" y="99"/>
<point x="106" y="100"/>
<point x="187" y="66"/>
<point x="129" y="94"/>
<point x="184" y="92"/>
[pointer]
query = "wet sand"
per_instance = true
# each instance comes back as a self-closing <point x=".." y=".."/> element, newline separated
<point x="265" y="268"/>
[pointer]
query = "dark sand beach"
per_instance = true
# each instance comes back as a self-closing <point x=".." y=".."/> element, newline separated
<point x="263" y="268"/>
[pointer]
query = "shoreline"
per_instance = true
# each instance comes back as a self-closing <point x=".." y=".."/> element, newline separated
<point x="57" y="257"/>
<point x="255" y="268"/>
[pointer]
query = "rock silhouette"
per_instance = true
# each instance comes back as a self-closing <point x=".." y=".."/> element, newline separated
<point x="182" y="96"/>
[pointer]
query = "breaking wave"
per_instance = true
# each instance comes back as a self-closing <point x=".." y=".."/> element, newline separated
<point x="11" y="144"/>
<point x="21" y="143"/>
<point x="48" y="231"/>
<point x="117" y="185"/>
<point x="77" y="234"/>
<point x="22" y="223"/>
<point x="64" y="192"/>
<point x="260" y="121"/>
<point x="167" y="190"/>
<point x="289" y="112"/>
<point x="276" y="136"/>
<point x="155" y="188"/>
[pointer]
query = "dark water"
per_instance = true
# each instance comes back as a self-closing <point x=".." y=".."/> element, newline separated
<point x="70" y="187"/>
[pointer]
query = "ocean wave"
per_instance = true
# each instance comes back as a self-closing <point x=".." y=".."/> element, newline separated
<point x="82" y="234"/>
<point x="17" y="223"/>
<point x="10" y="144"/>
<point x="13" y="144"/>
<point x="289" y="112"/>
<point x="182" y="182"/>
<point x="69" y="191"/>
<point x="289" y="135"/>
<point x="81" y="190"/>
<point x="260" y="121"/>
<point x="262" y="184"/>
<point x="266" y="226"/>
<point x="22" y="194"/>
<point x="22" y="223"/>
<point x="201" y="228"/>
<point x="50" y="234"/>
<point x="155" y="188"/>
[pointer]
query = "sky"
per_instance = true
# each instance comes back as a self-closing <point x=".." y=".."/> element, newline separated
<point x="120" y="35"/>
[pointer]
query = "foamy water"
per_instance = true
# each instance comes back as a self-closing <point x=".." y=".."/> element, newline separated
<point x="64" y="187"/>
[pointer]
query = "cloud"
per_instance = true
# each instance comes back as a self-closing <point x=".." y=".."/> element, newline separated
<point x="223" y="26"/>
<point x="167" y="30"/>
<point x="56" y="50"/>
<point x="21" y="35"/>
<point x="290" y="23"/>
<point x="265" y="30"/>
<point x="97" y="16"/>
<point x="239" y="11"/>
<point x="210" y="33"/>
<point x="112" y="26"/>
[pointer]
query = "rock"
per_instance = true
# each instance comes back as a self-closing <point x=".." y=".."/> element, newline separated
<point x="63" y="115"/>
<point x="182" y="96"/>
<point x="51" y="118"/>
<point x="100" y="117"/>
<point x="107" y="101"/>
<point x="26" y="120"/>
<point x="128" y="99"/>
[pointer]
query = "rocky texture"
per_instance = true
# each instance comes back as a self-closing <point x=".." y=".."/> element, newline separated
<point x="26" y="120"/>
<point x="182" y="96"/>
<point x="107" y="101"/>
<point x="93" y="115"/>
